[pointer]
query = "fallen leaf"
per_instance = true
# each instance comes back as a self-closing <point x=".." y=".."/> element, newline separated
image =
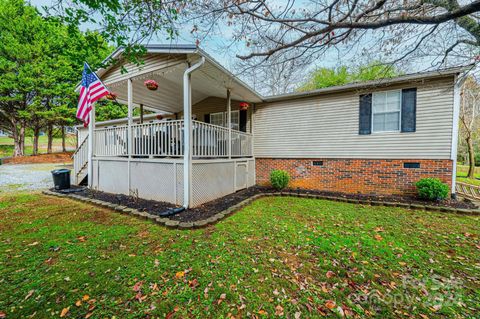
<point x="88" y="315"/>
<point x="81" y="238"/>
<point x="30" y="293"/>
<point x="193" y="283"/>
<point x="222" y="298"/>
<point x="262" y="312"/>
<point x="138" y="286"/>
<point x="85" y="297"/>
<point x="171" y="313"/>
<point x="297" y="315"/>
<point x="35" y="243"/>
<point x="3" y="315"/>
<point x="78" y="303"/>
<point x="330" y="274"/>
<point x="378" y="237"/>
<point x="279" y="310"/>
<point x="330" y="304"/>
<point x="180" y="274"/>
<point x="64" y="312"/>
<point x="401" y="263"/>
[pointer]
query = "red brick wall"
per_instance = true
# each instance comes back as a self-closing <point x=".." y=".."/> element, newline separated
<point x="358" y="176"/>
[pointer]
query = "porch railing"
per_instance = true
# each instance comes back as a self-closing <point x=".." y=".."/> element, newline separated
<point x="165" y="139"/>
<point x="112" y="141"/>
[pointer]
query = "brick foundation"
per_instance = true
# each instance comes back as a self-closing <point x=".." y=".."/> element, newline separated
<point x="358" y="176"/>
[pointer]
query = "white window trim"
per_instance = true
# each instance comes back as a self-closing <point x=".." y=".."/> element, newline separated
<point x="399" y="114"/>
<point x="225" y="117"/>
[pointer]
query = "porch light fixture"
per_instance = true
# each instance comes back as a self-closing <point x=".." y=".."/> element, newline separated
<point x="111" y="96"/>
<point x="244" y="106"/>
<point x="152" y="85"/>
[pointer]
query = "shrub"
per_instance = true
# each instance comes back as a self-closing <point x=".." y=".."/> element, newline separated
<point x="432" y="189"/>
<point x="279" y="179"/>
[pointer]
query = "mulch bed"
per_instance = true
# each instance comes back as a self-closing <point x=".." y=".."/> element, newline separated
<point x="211" y="208"/>
<point x="39" y="159"/>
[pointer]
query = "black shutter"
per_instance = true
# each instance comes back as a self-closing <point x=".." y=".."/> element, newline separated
<point x="243" y="121"/>
<point x="365" y="118"/>
<point x="206" y="118"/>
<point x="409" y="110"/>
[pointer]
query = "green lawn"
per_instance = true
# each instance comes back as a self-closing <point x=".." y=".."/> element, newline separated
<point x="6" y="145"/>
<point x="279" y="257"/>
<point x="462" y="171"/>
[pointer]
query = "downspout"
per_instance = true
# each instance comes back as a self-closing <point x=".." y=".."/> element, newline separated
<point x="455" y="127"/>
<point x="187" y="131"/>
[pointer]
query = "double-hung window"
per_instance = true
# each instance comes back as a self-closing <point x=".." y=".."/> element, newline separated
<point x="221" y="119"/>
<point x="386" y="108"/>
<point x="217" y="118"/>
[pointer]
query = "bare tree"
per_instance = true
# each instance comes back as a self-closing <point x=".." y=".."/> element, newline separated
<point x="310" y="28"/>
<point x="277" y="77"/>
<point x="469" y="119"/>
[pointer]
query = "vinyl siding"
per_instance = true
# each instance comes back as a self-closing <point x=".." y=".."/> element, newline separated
<point x="151" y="62"/>
<point x="326" y="126"/>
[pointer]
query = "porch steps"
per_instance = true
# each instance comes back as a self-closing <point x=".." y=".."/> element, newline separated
<point x="80" y="163"/>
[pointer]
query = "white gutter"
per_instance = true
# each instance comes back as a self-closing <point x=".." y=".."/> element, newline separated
<point x="187" y="131"/>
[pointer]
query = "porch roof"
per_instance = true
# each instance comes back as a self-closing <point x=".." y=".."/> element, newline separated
<point x="166" y="65"/>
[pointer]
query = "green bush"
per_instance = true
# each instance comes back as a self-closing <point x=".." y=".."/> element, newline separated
<point x="432" y="189"/>
<point x="279" y="179"/>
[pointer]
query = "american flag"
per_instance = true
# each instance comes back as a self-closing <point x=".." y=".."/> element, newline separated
<point x="92" y="90"/>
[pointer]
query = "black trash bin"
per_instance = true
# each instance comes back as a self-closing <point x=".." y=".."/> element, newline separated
<point x="61" y="178"/>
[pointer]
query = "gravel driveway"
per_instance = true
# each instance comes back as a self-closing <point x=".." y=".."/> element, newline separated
<point x="23" y="177"/>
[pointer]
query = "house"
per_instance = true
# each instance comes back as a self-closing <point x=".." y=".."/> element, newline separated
<point x="375" y="138"/>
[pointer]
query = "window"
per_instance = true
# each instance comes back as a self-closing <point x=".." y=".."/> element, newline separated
<point x="221" y="119"/>
<point x="217" y="118"/>
<point x="386" y="108"/>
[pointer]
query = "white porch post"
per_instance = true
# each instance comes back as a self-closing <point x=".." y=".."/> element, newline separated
<point x="90" y="141"/>
<point x="187" y="132"/>
<point x="229" y="123"/>
<point x="129" y="128"/>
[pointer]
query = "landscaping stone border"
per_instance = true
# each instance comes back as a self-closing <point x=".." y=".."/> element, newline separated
<point x="229" y="211"/>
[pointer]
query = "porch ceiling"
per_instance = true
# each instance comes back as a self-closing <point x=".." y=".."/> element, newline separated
<point x="208" y="80"/>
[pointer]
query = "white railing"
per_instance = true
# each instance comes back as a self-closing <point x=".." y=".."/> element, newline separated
<point x="242" y="144"/>
<point x="158" y="139"/>
<point x="209" y="140"/>
<point x="80" y="157"/>
<point x="112" y="141"/>
<point x="166" y="139"/>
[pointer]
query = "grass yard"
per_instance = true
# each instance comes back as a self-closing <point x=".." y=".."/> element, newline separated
<point x="6" y="145"/>
<point x="279" y="257"/>
<point x="462" y="171"/>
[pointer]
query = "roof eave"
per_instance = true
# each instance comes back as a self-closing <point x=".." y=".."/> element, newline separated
<point x="363" y="85"/>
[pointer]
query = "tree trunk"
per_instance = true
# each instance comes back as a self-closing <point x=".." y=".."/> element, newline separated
<point x="17" y="145"/>
<point x="21" y="138"/>
<point x="64" y="149"/>
<point x="50" y="139"/>
<point x="471" y="158"/>
<point x="36" y="135"/>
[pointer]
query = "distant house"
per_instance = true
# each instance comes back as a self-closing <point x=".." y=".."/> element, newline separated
<point x="375" y="138"/>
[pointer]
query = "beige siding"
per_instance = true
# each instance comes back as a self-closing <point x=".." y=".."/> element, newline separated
<point x="326" y="126"/>
<point x="151" y="63"/>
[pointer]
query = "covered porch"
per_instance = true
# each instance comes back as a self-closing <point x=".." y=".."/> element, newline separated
<point x="201" y="146"/>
